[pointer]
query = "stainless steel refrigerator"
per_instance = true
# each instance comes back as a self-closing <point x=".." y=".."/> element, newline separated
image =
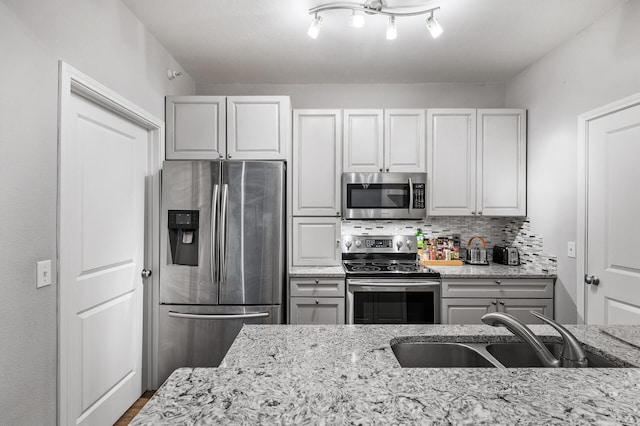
<point x="222" y="257"/>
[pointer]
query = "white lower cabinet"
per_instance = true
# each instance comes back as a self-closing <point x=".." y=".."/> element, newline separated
<point x="316" y="241"/>
<point x="316" y="301"/>
<point x="466" y="300"/>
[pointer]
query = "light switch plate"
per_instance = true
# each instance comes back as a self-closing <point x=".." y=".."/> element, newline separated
<point x="43" y="273"/>
<point x="571" y="249"/>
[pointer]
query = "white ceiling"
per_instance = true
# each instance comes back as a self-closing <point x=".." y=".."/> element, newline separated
<point x="265" y="41"/>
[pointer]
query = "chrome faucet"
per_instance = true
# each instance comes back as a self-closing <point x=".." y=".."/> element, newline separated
<point x="572" y="354"/>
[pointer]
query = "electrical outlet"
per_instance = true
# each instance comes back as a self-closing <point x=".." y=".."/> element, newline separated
<point x="571" y="249"/>
<point x="43" y="273"/>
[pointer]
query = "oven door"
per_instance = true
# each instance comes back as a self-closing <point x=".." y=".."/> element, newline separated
<point x="393" y="301"/>
<point x="383" y="195"/>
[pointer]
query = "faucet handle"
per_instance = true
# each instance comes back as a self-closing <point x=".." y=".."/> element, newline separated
<point x="572" y="353"/>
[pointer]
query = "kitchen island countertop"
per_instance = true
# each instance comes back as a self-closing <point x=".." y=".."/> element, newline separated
<point x="349" y="375"/>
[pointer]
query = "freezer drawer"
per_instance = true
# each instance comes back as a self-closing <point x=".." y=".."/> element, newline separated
<point x="200" y="336"/>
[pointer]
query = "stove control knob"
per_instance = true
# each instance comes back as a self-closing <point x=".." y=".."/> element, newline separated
<point x="398" y="244"/>
<point x="358" y="243"/>
<point x="348" y="244"/>
<point x="409" y="244"/>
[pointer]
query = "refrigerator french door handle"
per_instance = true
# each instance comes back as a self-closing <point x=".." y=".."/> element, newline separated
<point x="218" y="316"/>
<point x="214" y="247"/>
<point x="223" y="234"/>
<point x="410" y="195"/>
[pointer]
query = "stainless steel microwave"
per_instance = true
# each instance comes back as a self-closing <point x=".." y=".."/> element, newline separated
<point x="384" y="195"/>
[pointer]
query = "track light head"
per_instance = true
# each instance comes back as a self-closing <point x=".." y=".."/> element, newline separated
<point x="392" y="28"/>
<point x="434" y="26"/>
<point x="356" y="21"/>
<point x="314" y="28"/>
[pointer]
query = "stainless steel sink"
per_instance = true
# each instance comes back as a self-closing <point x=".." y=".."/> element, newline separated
<point x="438" y="355"/>
<point x="521" y="355"/>
<point x="481" y="355"/>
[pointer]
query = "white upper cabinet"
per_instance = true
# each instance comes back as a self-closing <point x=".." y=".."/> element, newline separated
<point x="391" y="140"/>
<point x="218" y="127"/>
<point x="195" y="127"/>
<point x="451" y="162"/>
<point x="502" y="162"/>
<point x="258" y="127"/>
<point x="363" y="140"/>
<point x="317" y="162"/>
<point x="476" y="162"/>
<point x="404" y="140"/>
<point x="316" y="241"/>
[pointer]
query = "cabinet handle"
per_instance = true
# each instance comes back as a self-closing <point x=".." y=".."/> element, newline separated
<point x="317" y="281"/>
<point x="380" y="169"/>
<point x="337" y="243"/>
<point x="387" y="169"/>
<point x="473" y="212"/>
<point x="502" y="302"/>
<point x="495" y="302"/>
<point x="229" y="156"/>
<point x="480" y="212"/>
<point x="337" y="213"/>
<point x="317" y="301"/>
<point x="498" y="282"/>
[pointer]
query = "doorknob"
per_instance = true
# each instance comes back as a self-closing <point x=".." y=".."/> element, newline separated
<point x="145" y="273"/>
<point x="591" y="279"/>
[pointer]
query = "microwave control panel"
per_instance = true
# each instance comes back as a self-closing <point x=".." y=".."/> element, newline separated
<point x="418" y="196"/>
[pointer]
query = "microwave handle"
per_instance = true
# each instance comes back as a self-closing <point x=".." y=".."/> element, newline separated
<point x="410" y="195"/>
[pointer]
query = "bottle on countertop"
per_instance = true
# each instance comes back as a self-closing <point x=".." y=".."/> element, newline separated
<point x="419" y="239"/>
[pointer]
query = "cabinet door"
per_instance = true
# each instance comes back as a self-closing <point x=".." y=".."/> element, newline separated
<point x="195" y="127"/>
<point x="466" y="311"/>
<point x="321" y="310"/>
<point x="520" y="308"/>
<point x="316" y="241"/>
<point x="317" y="162"/>
<point x="363" y="140"/>
<point x="451" y="162"/>
<point x="258" y="127"/>
<point x="502" y="160"/>
<point x="404" y="140"/>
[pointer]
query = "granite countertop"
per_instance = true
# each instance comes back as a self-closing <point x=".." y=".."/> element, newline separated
<point x="349" y="375"/>
<point x="492" y="270"/>
<point x="316" y="272"/>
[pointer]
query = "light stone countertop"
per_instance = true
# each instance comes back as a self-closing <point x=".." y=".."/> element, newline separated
<point x="492" y="270"/>
<point x="349" y="375"/>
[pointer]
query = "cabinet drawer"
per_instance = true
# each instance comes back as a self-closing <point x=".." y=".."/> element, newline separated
<point x="499" y="287"/>
<point x="316" y="287"/>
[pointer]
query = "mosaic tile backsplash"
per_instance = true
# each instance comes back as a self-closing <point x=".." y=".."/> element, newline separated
<point x="503" y="231"/>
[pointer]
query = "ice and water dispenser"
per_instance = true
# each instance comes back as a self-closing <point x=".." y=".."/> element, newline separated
<point x="183" y="237"/>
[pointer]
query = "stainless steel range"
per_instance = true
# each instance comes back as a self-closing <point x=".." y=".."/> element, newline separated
<point x="385" y="282"/>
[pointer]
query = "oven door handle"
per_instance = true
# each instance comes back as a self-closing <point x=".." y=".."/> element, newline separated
<point x="393" y="284"/>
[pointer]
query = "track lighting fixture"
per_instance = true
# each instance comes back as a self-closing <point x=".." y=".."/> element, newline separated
<point x="314" y="29"/>
<point x="376" y="7"/>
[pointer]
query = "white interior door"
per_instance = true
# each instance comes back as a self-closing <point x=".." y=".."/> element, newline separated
<point x="103" y="164"/>
<point x="613" y="209"/>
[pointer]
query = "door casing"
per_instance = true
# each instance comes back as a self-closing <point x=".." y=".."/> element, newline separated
<point x="73" y="81"/>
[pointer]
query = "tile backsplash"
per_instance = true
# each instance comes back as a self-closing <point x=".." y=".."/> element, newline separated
<point x="504" y="231"/>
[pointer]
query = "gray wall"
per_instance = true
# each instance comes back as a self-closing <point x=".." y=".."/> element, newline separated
<point x="598" y="66"/>
<point x="465" y="95"/>
<point x="100" y="38"/>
